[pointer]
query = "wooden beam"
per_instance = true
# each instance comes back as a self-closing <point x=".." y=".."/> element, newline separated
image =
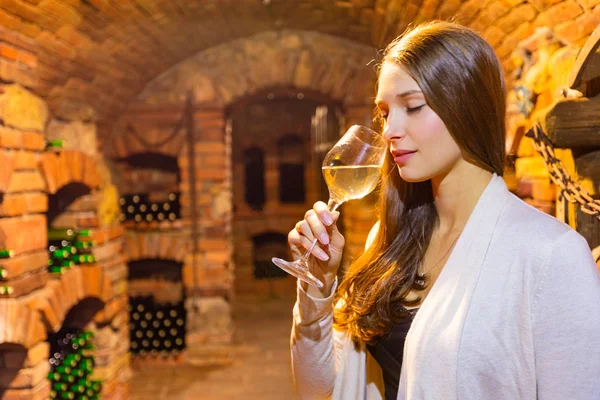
<point x="587" y="64"/>
<point x="574" y="123"/>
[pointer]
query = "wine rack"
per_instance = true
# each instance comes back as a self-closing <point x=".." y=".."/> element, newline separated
<point x="156" y="329"/>
<point x="139" y="208"/>
<point x="72" y="365"/>
<point x="68" y="247"/>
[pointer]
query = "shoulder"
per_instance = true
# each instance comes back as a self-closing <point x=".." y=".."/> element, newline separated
<point x="523" y="223"/>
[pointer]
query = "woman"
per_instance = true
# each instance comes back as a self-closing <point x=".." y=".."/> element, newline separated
<point x="502" y="301"/>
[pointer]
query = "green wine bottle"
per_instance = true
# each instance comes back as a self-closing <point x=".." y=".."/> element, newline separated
<point x="60" y="386"/>
<point x="54" y="376"/>
<point x="56" y="269"/>
<point x="85" y="232"/>
<point x="67" y="395"/>
<point x="5" y="253"/>
<point x="54" y="143"/>
<point x="6" y="290"/>
<point x="58" y="254"/>
<point x="3" y="273"/>
<point x="64" y="369"/>
<point x="61" y="234"/>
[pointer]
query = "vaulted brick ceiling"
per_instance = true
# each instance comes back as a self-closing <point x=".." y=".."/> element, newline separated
<point x="99" y="54"/>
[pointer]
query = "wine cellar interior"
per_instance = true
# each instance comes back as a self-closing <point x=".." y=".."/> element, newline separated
<point x="156" y="154"/>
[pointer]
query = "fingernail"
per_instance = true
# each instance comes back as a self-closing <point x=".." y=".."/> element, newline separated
<point x="327" y="220"/>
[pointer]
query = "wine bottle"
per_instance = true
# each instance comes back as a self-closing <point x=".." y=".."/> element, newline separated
<point x="61" y="234"/>
<point x="54" y="376"/>
<point x="3" y="273"/>
<point x="5" y="253"/>
<point x="6" y="290"/>
<point x="54" y="143"/>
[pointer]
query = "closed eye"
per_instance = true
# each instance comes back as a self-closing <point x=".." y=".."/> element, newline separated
<point x="414" y="109"/>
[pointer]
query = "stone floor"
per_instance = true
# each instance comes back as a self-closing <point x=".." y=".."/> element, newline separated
<point x="260" y="370"/>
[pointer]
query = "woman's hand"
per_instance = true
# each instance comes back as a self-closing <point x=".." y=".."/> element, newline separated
<point x="319" y="223"/>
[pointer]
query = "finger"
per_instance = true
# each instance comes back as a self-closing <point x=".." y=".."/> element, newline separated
<point x="302" y="242"/>
<point x="323" y="212"/>
<point x="337" y="240"/>
<point x="316" y="226"/>
<point x="304" y="229"/>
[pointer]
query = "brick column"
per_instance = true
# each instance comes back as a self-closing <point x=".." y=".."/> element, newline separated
<point x="207" y="270"/>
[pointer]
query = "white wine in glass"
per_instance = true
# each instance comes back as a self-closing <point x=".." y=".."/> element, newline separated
<point x="351" y="170"/>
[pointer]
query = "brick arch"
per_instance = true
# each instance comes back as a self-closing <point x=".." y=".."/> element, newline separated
<point x="168" y="245"/>
<point x="221" y="75"/>
<point x="26" y="321"/>
<point x="68" y="166"/>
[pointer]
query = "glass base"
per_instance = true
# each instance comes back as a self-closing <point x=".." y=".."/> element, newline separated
<point x="299" y="270"/>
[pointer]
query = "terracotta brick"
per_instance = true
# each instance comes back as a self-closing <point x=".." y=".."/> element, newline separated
<point x="26" y="181"/>
<point x="25" y="159"/>
<point x="468" y="10"/>
<point x="14" y="72"/>
<point x="493" y="35"/>
<point x="40" y="392"/>
<point x="583" y="26"/>
<point x="588" y="3"/>
<point x="448" y="8"/>
<point x="63" y="174"/>
<point x="13" y="205"/>
<point x="49" y="166"/>
<point x="7" y="170"/>
<point x="88" y="221"/>
<point x="36" y="202"/>
<point x="26" y="262"/>
<point x="11" y="138"/>
<point x="516" y="17"/>
<point x="558" y="13"/>
<point x="27" y="59"/>
<point x="8" y="52"/>
<point x="210" y="148"/>
<point x="26" y="283"/>
<point x="75" y="164"/>
<point x="543" y="5"/>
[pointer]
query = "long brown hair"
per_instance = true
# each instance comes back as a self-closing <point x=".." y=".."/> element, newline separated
<point x="462" y="81"/>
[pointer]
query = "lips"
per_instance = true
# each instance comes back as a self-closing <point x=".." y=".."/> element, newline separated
<point x="400" y="152"/>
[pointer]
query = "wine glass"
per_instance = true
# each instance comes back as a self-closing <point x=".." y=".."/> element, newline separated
<point x="351" y="170"/>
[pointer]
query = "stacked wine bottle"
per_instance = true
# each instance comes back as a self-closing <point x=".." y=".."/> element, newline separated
<point x="156" y="329"/>
<point x="139" y="208"/>
<point x="72" y="365"/>
<point x="68" y="247"/>
<point x="5" y="289"/>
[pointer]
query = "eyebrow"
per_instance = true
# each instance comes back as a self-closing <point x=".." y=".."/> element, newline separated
<point x="402" y="95"/>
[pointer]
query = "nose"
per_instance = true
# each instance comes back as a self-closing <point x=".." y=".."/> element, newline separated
<point x="393" y="129"/>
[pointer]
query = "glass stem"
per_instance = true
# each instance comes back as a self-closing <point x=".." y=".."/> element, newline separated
<point x="332" y="206"/>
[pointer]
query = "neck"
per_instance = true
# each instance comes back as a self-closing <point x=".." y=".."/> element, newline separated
<point x="456" y="194"/>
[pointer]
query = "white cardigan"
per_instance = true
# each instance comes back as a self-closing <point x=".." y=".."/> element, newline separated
<point x="514" y="314"/>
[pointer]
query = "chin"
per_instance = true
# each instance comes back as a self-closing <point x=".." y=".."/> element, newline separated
<point x="410" y="175"/>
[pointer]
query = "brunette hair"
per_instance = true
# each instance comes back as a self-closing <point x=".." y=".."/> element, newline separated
<point x="462" y="81"/>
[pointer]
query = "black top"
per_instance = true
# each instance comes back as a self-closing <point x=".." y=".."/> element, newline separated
<point x="388" y="352"/>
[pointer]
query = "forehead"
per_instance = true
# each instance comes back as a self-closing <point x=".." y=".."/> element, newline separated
<point x="393" y="80"/>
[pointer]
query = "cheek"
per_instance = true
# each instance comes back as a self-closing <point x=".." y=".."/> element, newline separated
<point x="431" y="130"/>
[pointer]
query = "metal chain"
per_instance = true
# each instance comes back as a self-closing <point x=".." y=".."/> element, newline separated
<point x="569" y="189"/>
